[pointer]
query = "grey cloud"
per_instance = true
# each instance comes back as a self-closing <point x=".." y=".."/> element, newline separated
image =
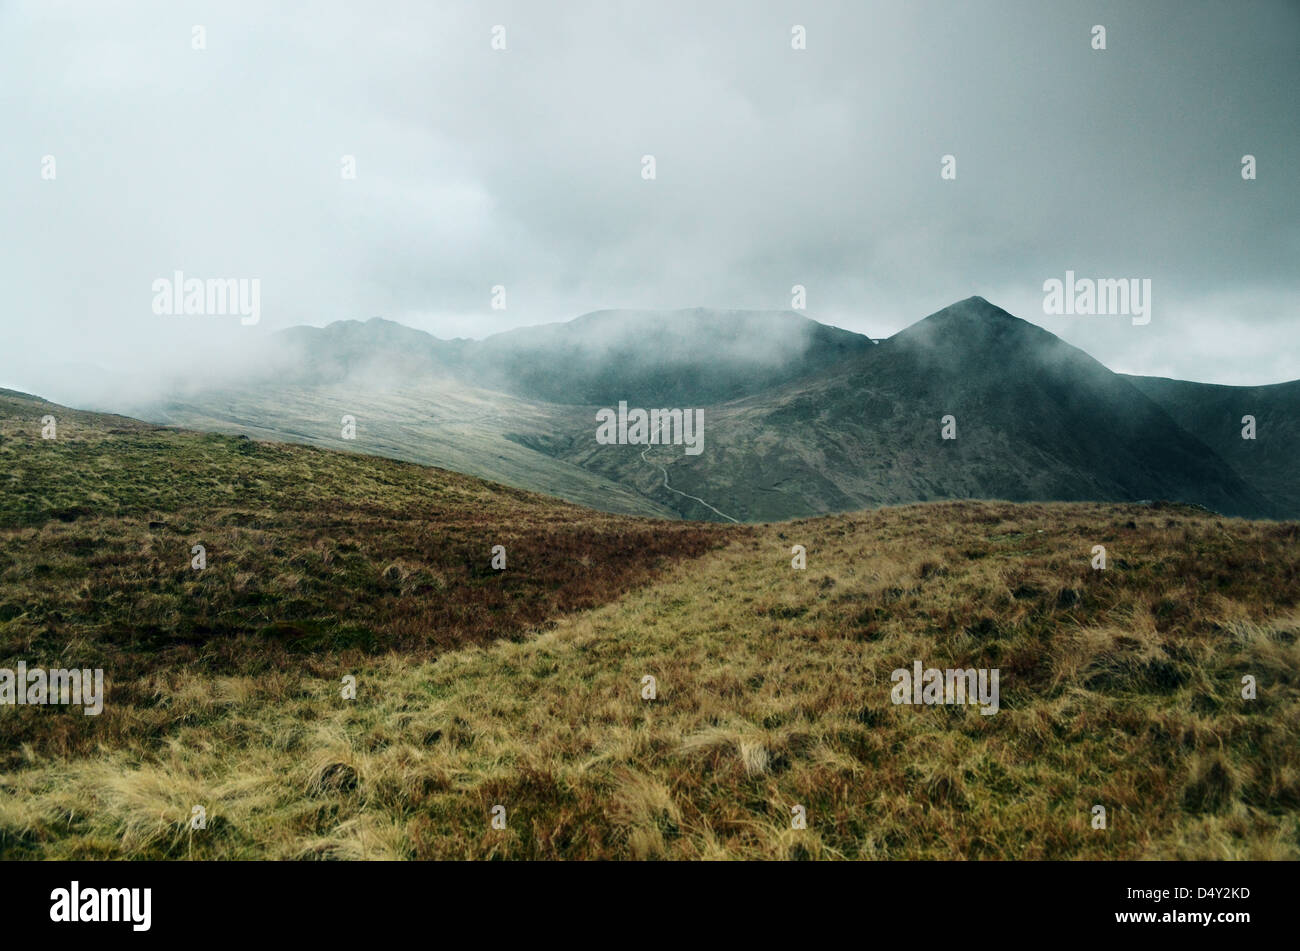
<point x="522" y="168"/>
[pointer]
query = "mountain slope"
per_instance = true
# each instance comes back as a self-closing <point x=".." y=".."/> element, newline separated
<point x="665" y="358"/>
<point x="1035" y="419"/>
<point x="481" y="407"/>
<point x="800" y="419"/>
<point x="695" y="357"/>
<point x="1271" y="461"/>
<point x="433" y="421"/>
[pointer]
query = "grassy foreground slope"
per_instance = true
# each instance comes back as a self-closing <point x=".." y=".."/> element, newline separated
<point x="1119" y="687"/>
<point x="315" y="560"/>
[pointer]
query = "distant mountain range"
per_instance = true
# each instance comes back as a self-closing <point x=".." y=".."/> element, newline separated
<point x="800" y="418"/>
<point x="700" y="357"/>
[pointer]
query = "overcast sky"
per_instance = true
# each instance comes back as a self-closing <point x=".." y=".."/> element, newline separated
<point x="478" y="167"/>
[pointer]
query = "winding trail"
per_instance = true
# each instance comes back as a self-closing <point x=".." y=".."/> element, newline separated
<point x="693" y="498"/>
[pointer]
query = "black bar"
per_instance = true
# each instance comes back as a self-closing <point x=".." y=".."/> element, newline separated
<point x="982" y="901"/>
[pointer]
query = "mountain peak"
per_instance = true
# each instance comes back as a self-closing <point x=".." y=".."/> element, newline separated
<point x="973" y="308"/>
<point x="972" y="321"/>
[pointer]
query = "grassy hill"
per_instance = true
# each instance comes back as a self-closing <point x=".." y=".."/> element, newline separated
<point x="313" y="558"/>
<point x="522" y="688"/>
<point x="430" y="421"/>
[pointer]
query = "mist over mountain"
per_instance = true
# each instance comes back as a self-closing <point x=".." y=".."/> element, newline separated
<point x="800" y="418"/>
<point x="697" y="356"/>
<point x="1035" y="419"/>
<point x="1215" y="415"/>
<point x="680" y="357"/>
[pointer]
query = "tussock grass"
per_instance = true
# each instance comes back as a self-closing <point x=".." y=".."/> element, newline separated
<point x="1120" y="688"/>
<point x="316" y="560"/>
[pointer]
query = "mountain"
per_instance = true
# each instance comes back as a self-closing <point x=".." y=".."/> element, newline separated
<point x="1036" y="419"/>
<point x="682" y="357"/>
<point x="1213" y="413"/>
<point x="481" y="407"/>
<point x="348" y="348"/>
<point x="800" y="419"/>
<point x="697" y="356"/>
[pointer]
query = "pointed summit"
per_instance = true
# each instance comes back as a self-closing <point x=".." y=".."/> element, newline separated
<point x="971" y="314"/>
<point x="972" y="332"/>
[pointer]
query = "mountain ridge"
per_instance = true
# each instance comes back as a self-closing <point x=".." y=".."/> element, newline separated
<point x="802" y="419"/>
<point x="1053" y="424"/>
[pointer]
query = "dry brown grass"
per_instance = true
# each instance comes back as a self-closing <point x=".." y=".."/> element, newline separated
<point x="773" y="691"/>
<point x="1120" y="688"/>
<point x="315" y="561"/>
